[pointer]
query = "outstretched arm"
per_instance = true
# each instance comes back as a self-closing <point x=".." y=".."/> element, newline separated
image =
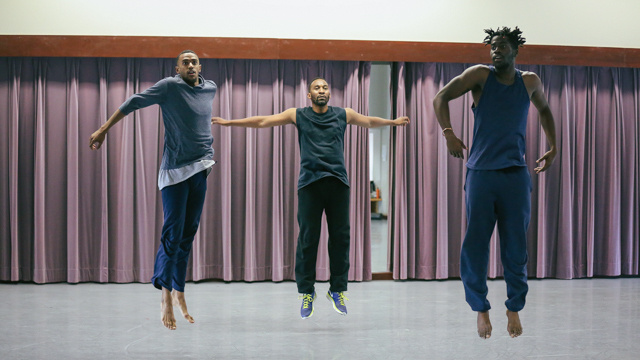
<point x="151" y="96"/>
<point x="283" y="118"/>
<point x="461" y="84"/>
<point x="546" y="120"/>
<point x="97" y="138"/>
<point x="355" y="118"/>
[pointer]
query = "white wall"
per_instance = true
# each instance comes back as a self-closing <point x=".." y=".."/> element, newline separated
<point x="611" y="23"/>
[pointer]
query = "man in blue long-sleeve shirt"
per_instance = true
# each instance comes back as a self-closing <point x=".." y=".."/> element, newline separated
<point x="186" y="101"/>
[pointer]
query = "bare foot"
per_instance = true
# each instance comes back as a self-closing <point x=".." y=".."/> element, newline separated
<point x="513" y="325"/>
<point x="484" y="325"/>
<point x="181" y="303"/>
<point x="166" y="310"/>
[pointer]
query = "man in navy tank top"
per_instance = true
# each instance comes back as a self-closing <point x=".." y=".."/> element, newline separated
<point x="323" y="186"/>
<point x="498" y="184"/>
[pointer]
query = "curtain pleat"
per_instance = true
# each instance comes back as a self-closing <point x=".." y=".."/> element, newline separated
<point x="73" y="171"/>
<point x="16" y="270"/>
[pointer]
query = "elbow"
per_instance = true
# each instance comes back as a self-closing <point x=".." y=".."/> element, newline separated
<point x="438" y="100"/>
<point x="544" y="111"/>
<point x="260" y="124"/>
<point x="546" y="117"/>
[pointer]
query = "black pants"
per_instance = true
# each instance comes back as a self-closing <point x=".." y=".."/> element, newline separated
<point x="330" y="195"/>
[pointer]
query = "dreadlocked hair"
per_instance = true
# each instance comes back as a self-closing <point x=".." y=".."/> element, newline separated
<point x="513" y="36"/>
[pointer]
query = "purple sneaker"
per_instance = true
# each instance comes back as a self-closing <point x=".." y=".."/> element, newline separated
<point x="337" y="299"/>
<point x="306" y="310"/>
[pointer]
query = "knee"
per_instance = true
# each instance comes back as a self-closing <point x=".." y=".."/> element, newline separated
<point x="474" y="248"/>
<point x="309" y="235"/>
<point x="169" y="247"/>
<point x="172" y="234"/>
<point x="517" y="266"/>
<point x="343" y="233"/>
<point x="190" y="231"/>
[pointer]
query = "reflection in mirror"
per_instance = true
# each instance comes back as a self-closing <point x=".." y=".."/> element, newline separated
<point x="379" y="105"/>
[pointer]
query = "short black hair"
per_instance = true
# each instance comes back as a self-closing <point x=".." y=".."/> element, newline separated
<point x="318" y="78"/>
<point x="513" y="36"/>
<point x="185" y="52"/>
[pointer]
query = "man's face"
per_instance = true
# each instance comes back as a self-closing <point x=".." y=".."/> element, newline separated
<point x="502" y="54"/>
<point x="189" y="68"/>
<point x="319" y="93"/>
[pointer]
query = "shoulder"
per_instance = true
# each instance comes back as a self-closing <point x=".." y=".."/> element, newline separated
<point x="530" y="79"/>
<point x="350" y="115"/>
<point x="162" y="86"/>
<point x="167" y="82"/>
<point x="528" y="75"/>
<point x="475" y="75"/>
<point x="171" y="80"/>
<point x="292" y="114"/>
<point x="344" y="113"/>
<point x="210" y="83"/>
<point x="479" y="70"/>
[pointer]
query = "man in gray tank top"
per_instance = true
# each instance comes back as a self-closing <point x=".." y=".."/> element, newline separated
<point x="498" y="184"/>
<point x="323" y="186"/>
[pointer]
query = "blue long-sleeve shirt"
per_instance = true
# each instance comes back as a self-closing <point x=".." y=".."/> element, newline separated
<point x="186" y="112"/>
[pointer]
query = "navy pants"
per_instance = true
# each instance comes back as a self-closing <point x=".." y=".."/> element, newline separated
<point x="182" y="204"/>
<point x="503" y="196"/>
<point x="329" y="195"/>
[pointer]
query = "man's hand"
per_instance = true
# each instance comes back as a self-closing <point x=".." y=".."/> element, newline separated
<point x="401" y="121"/>
<point x="455" y="145"/>
<point x="548" y="158"/>
<point x="220" y="121"/>
<point x="96" y="140"/>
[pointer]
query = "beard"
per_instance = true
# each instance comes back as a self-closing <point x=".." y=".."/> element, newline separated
<point x="320" y="102"/>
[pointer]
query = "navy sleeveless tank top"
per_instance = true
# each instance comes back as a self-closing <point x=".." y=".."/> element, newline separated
<point x="500" y="125"/>
<point x="321" y="139"/>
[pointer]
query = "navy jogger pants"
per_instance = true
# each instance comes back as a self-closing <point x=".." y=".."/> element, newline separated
<point x="502" y="196"/>
<point x="182" y="204"/>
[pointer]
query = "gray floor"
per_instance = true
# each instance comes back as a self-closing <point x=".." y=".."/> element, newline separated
<point x="575" y="319"/>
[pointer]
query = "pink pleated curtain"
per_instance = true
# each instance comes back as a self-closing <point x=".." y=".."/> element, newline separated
<point x="71" y="214"/>
<point x="585" y="209"/>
